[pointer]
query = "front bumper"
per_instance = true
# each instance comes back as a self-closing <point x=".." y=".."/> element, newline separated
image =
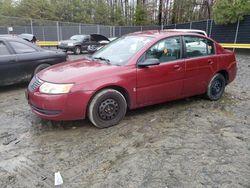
<point x="71" y="106"/>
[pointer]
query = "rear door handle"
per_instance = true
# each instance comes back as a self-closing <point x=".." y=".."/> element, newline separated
<point x="177" y="66"/>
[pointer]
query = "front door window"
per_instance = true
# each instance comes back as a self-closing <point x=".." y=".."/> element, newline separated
<point x="166" y="50"/>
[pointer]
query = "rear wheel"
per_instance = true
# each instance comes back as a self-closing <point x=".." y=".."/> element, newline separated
<point x="107" y="108"/>
<point x="77" y="50"/>
<point x="216" y="87"/>
<point x="40" y="67"/>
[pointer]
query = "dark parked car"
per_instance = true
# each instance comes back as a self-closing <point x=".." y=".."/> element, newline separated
<point x="79" y="43"/>
<point x="20" y="60"/>
<point x="94" y="47"/>
<point x="136" y="70"/>
<point x="28" y="37"/>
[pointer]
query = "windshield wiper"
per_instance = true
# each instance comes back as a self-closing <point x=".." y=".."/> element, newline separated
<point x="103" y="59"/>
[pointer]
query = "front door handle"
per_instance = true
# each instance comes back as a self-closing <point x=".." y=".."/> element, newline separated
<point x="177" y="66"/>
<point x="210" y="62"/>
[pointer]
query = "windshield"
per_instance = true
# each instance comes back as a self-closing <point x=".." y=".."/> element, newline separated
<point x="119" y="51"/>
<point x="78" y="37"/>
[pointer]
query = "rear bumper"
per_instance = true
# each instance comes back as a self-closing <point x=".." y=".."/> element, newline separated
<point x="232" y="70"/>
<point x="70" y="106"/>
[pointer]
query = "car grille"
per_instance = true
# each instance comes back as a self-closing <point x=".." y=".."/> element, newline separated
<point x="64" y="44"/>
<point x="45" y="112"/>
<point x="34" y="84"/>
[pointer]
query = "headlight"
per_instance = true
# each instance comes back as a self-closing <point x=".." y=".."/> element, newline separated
<point x="70" y="44"/>
<point x="49" y="88"/>
<point x="59" y="43"/>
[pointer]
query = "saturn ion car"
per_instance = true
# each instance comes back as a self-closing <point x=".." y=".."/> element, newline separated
<point x="136" y="70"/>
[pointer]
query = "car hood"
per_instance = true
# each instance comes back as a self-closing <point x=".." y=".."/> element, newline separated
<point x="97" y="37"/>
<point x="76" y="71"/>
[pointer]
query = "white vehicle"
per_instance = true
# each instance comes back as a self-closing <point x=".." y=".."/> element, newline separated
<point x="201" y="32"/>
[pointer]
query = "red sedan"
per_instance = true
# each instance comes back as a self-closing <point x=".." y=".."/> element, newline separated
<point x="136" y="70"/>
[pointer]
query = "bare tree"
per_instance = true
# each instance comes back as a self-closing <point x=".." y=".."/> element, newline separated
<point x="160" y="13"/>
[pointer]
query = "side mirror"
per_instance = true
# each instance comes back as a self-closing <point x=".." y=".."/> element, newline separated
<point x="149" y="62"/>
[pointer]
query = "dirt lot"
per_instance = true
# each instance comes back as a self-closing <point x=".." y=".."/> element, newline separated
<point x="187" y="143"/>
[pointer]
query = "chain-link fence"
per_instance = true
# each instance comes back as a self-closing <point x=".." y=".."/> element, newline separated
<point x="46" y="30"/>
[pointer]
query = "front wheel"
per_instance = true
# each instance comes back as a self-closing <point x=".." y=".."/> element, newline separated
<point x="77" y="50"/>
<point x="40" y="67"/>
<point x="216" y="87"/>
<point x="107" y="108"/>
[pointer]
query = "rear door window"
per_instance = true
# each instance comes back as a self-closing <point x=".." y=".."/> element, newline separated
<point x="3" y="49"/>
<point x="21" y="48"/>
<point x="197" y="46"/>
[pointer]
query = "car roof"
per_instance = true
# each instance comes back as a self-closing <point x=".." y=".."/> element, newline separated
<point x="7" y="36"/>
<point x="198" y="31"/>
<point x="163" y="33"/>
<point x="26" y="36"/>
<point x="10" y="37"/>
<point x="15" y="38"/>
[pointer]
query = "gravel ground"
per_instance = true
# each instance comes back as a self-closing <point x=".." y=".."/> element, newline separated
<point x="187" y="143"/>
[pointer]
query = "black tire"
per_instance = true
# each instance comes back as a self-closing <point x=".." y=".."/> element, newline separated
<point x="40" y="67"/>
<point x="77" y="50"/>
<point x="107" y="108"/>
<point x="216" y="87"/>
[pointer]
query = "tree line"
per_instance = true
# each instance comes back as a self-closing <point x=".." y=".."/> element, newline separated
<point x="127" y="12"/>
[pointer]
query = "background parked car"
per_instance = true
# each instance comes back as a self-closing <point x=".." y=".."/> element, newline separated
<point x="94" y="47"/>
<point x="20" y="60"/>
<point x="28" y="37"/>
<point x="79" y="43"/>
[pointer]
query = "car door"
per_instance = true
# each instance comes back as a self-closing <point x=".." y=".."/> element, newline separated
<point x="28" y="58"/>
<point x="201" y="64"/>
<point x="86" y="42"/>
<point x="8" y="71"/>
<point x="161" y="82"/>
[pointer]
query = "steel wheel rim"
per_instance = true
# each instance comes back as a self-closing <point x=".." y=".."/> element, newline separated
<point x="78" y="50"/>
<point x="108" y="109"/>
<point x="216" y="87"/>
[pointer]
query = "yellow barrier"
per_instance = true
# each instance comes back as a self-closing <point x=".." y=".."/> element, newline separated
<point x="47" y="43"/>
<point x="225" y="45"/>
